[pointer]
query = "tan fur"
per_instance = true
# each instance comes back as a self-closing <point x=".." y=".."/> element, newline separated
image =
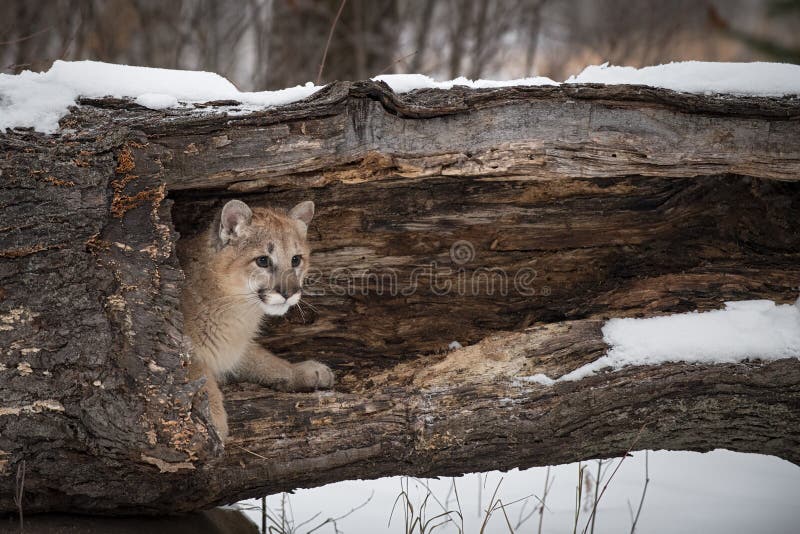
<point x="227" y="294"/>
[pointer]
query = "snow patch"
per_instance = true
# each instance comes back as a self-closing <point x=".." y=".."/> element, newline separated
<point x="157" y="101"/>
<point x="750" y="79"/>
<point x="403" y="83"/>
<point x="745" y="329"/>
<point x="757" y="329"/>
<point x="705" y="77"/>
<point x="538" y="378"/>
<point x="39" y="99"/>
<point x="278" y="97"/>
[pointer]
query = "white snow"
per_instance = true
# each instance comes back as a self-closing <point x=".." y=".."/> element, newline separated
<point x="713" y="493"/>
<point x="754" y="79"/>
<point x="157" y="101"/>
<point x="538" y="378"/>
<point x="39" y="99"/>
<point x="403" y="83"/>
<point x="757" y="329"/>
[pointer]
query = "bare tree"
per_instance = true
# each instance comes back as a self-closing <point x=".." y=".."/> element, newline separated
<point x="423" y="28"/>
<point x="263" y="44"/>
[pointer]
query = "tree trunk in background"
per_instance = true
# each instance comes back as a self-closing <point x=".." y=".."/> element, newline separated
<point x="422" y="37"/>
<point x="533" y="15"/>
<point x="365" y="40"/>
<point x="577" y="202"/>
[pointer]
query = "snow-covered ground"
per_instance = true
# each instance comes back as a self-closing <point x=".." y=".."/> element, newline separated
<point x="39" y="99"/>
<point x="718" y="492"/>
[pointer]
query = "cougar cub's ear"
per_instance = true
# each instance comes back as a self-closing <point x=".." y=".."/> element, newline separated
<point x="303" y="212"/>
<point x="236" y="215"/>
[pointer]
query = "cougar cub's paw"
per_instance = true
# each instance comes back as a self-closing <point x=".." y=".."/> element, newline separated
<point x="220" y="421"/>
<point x="311" y="375"/>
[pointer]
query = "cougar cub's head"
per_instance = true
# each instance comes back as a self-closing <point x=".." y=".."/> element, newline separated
<point x="262" y="254"/>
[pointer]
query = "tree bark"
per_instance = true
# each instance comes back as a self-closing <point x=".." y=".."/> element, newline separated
<point x="577" y="202"/>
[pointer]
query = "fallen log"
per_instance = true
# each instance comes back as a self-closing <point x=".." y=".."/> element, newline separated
<point x="512" y="220"/>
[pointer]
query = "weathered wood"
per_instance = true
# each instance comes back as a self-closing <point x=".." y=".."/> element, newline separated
<point x="92" y="358"/>
<point x="599" y="201"/>
<point x="468" y="410"/>
<point x="615" y="200"/>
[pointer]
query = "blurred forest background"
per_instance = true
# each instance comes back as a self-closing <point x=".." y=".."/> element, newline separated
<point x="269" y="44"/>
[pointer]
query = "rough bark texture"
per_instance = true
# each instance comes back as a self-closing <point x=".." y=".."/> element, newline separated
<point x="585" y="201"/>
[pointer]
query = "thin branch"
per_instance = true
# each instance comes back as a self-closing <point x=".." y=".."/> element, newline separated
<point x="328" y="43"/>
<point x="605" y="486"/>
<point x="578" y="493"/>
<point x="339" y="518"/>
<point x="396" y="61"/>
<point x="490" y="508"/>
<point x="264" y="514"/>
<point x="544" y="498"/>
<point x="644" y="491"/>
<point x="596" y="491"/>
<point x="20" y="493"/>
<point x="26" y="37"/>
<point x="251" y="452"/>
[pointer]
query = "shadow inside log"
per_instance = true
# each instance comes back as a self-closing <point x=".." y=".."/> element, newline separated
<point x="404" y="267"/>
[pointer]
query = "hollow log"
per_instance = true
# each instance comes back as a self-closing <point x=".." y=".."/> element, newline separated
<point x="513" y="221"/>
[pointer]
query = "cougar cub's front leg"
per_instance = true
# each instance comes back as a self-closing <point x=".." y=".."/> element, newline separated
<point x="260" y="365"/>
<point x="219" y="418"/>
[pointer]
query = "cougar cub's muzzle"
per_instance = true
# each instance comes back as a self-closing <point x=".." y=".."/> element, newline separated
<point x="284" y="294"/>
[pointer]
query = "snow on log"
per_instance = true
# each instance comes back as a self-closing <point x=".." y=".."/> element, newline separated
<point x="579" y="202"/>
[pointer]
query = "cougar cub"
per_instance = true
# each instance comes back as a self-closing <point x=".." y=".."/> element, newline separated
<point x="249" y="264"/>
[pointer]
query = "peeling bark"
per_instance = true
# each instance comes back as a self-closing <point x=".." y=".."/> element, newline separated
<point x="612" y="201"/>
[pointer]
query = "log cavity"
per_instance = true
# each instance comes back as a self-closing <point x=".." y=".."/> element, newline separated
<point x="403" y="267"/>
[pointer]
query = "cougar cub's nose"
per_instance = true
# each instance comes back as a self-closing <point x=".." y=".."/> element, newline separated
<point x="288" y="292"/>
<point x="288" y="287"/>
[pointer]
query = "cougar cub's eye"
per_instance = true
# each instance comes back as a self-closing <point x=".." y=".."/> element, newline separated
<point x="296" y="260"/>
<point x="263" y="261"/>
